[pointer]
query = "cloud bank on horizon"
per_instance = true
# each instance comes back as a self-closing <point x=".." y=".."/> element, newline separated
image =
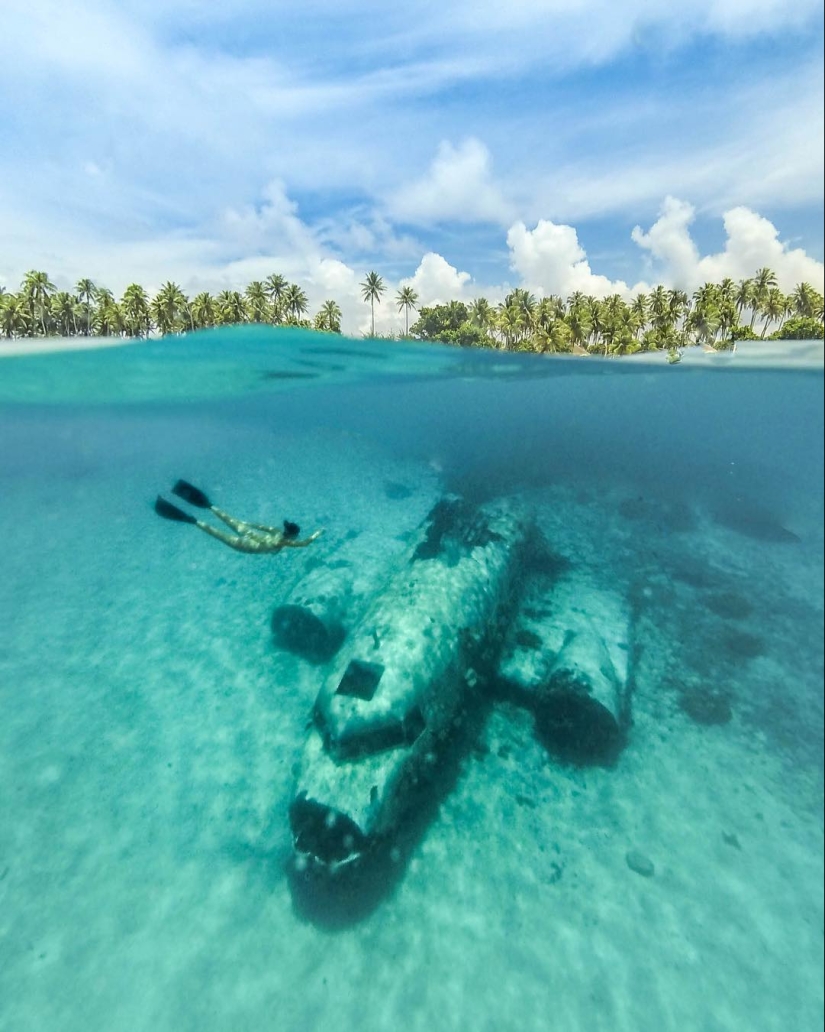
<point x="463" y="149"/>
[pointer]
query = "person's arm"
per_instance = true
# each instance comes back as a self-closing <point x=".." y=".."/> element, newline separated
<point x="287" y="543"/>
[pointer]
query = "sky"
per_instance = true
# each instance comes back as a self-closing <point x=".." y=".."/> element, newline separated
<point x="463" y="148"/>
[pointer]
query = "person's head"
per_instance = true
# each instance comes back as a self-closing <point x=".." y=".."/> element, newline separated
<point x="291" y="530"/>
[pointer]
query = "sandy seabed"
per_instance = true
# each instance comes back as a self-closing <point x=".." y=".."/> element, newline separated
<point x="150" y="730"/>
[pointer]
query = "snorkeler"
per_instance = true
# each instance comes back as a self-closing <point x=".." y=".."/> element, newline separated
<point x="247" y="537"/>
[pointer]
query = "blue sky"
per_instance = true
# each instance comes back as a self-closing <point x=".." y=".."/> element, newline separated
<point x="462" y="147"/>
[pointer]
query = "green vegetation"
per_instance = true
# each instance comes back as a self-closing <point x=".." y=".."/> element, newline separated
<point x="39" y="310"/>
<point x="802" y="328"/>
<point x="716" y="316"/>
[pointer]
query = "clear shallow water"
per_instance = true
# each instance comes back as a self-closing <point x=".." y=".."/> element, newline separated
<point x="151" y="729"/>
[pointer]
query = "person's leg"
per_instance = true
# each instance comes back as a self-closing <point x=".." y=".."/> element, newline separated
<point x="242" y="526"/>
<point x="235" y="541"/>
<point x="279" y="535"/>
<point x="239" y="526"/>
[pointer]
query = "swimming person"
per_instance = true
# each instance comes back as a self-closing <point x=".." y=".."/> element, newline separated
<point x="246" y="537"/>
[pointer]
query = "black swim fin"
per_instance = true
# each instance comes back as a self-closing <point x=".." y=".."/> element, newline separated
<point x="191" y="494"/>
<point x="172" y="512"/>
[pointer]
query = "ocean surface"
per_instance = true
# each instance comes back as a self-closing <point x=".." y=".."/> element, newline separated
<point x="152" y="730"/>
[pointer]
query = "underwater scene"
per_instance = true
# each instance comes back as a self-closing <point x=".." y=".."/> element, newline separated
<point x="357" y="684"/>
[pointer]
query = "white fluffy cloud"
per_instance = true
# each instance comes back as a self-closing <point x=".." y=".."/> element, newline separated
<point x="669" y="240"/>
<point x="752" y="241"/>
<point x="271" y="228"/>
<point x="457" y="187"/>
<point x="436" y="281"/>
<point x="550" y="260"/>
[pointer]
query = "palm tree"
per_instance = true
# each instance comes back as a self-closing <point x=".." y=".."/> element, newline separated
<point x="186" y="316"/>
<point x="14" y="316"/>
<point x="773" y="308"/>
<point x="804" y="300"/>
<point x="511" y="324"/>
<point x="295" y="302"/>
<point x="256" y="301"/>
<point x="559" y="308"/>
<point x="524" y="301"/>
<point x="743" y="297"/>
<point x="135" y="307"/>
<point x="85" y="291"/>
<point x="763" y="282"/>
<point x="613" y="312"/>
<point x="371" y="290"/>
<point x="545" y="314"/>
<point x="557" y="337"/>
<point x="37" y="290"/>
<point x="108" y="317"/>
<point x="231" y="308"/>
<point x="706" y="295"/>
<point x="679" y="305"/>
<point x="276" y="287"/>
<point x="204" y="312"/>
<point x="597" y="320"/>
<point x="64" y="310"/>
<point x="103" y="316"/>
<point x="660" y="314"/>
<point x="728" y="319"/>
<point x="639" y="308"/>
<point x="705" y="322"/>
<point x="727" y="290"/>
<point x="406" y="298"/>
<point x="169" y="304"/>
<point x="625" y="333"/>
<point x="578" y="322"/>
<point x="481" y="313"/>
<point x="790" y="311"/>
<point x="329" y="318"/>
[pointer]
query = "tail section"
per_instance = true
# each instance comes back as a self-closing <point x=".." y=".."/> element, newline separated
<point x="191" y="494"/>
<point x="172" y="512"/>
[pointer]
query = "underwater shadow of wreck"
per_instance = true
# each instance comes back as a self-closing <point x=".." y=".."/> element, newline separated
<point x="572" y="728"/>
<point x="336" y="902"/>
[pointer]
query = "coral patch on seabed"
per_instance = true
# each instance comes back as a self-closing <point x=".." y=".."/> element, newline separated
<point x="705" y="706"/>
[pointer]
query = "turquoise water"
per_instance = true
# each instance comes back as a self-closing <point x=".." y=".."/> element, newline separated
<point x="152" y="731"/>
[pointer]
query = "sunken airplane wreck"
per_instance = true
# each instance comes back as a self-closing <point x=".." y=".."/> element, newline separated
<point x="396" y="688"/>
<point x="400" y="680"/>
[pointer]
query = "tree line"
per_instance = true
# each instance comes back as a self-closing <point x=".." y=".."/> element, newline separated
<point x="38" y="309"/>
<point x="715" y="315"/>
